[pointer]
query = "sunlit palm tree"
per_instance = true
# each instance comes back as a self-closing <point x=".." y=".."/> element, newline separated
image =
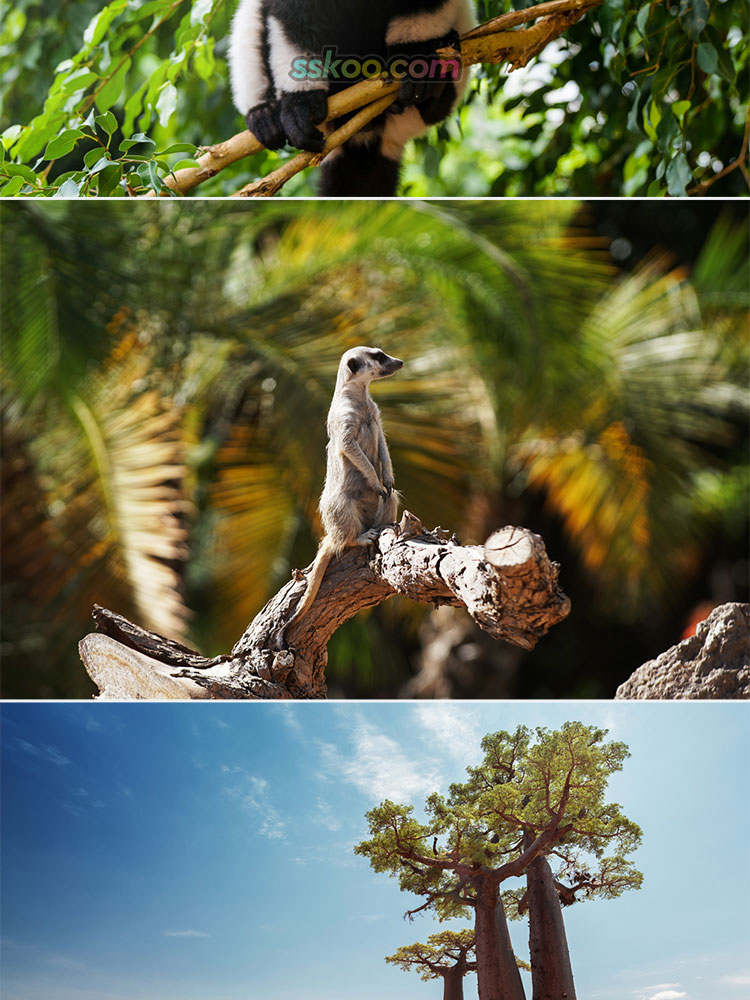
<point x="167" y="371"/>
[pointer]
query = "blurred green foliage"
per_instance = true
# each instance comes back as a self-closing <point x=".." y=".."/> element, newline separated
<point x="635" y="99"/>
<point x="166" y="374"/>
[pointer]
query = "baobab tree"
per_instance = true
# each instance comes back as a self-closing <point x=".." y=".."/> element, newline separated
<point x="534" y="796"/>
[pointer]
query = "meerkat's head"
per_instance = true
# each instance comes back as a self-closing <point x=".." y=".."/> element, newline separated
<point x="363" y="364"/>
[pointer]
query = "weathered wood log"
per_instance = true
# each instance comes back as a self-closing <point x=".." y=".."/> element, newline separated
<point x="508" y="586"/>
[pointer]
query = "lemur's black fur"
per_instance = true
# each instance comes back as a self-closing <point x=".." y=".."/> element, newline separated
<point x="269" y="37"/>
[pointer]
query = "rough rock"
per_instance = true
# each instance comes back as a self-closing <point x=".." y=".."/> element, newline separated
<point x="713" y="663"/>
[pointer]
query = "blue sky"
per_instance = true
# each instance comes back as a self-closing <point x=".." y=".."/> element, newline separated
<point x="204" y="851"/>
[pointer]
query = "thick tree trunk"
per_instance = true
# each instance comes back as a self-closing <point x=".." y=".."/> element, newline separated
<point x="508" y="586"/>
<point x="498" y="977"/>
<point x="551" y="973"/>
<point x="453" y="983"/>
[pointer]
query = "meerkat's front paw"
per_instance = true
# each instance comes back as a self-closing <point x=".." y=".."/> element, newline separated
<point x="368" y="537"/>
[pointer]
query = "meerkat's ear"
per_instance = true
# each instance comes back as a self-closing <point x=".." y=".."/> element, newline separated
<point x="354" y="364"/>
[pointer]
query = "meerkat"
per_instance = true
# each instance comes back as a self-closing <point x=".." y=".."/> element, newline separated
<point x="358" y="498"/>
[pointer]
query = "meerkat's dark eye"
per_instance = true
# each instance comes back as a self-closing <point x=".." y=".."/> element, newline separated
<point x="380" y="357"/>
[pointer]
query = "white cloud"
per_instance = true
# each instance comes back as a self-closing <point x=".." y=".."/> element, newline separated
<point x="290" y="716"/>
<point x="44" y="752"/>
<point x="378" y="766"/>
<point x="661" y="991"/>
<point x="325" y="816"/>
<point x="186" y="934"/>
<point x="252" y="793"/>
<point x="452" y="728"/>
<point x="737" y="979"/>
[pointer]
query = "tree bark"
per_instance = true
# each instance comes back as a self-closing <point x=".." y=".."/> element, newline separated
<point x="453" y="983"/>
<point x="508" y="586"/>
<point x="498" y="977"/>
<point x="551" y="972"/>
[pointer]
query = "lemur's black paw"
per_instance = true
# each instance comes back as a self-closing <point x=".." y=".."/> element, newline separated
<point x="300" y="113"/>
<point x="413" y="92"/>
<point x="265" y="123"/>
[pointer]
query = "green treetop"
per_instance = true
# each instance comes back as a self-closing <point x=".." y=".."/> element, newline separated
<point x="532" y="796"/>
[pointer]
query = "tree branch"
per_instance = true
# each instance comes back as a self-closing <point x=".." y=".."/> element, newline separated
<point x="508" y="586"/>
<point x="491" y="42"/>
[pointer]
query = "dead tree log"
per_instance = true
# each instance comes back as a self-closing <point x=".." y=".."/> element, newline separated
<point x="508" y="586"/>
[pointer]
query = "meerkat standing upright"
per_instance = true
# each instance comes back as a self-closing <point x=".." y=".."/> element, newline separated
<point x="358" y="498"/>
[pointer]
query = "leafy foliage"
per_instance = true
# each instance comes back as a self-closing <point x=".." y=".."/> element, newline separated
<point x="137" y="375"/>
<point x="442" y="951"/>
<point x="545" y="788"/>
<point x="124" y="93"/>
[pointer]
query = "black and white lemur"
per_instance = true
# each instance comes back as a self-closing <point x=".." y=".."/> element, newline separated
<point x="272" y="39"/>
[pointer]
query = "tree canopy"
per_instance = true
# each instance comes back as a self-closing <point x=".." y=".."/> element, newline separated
<point x="535" y="795"/>
<point x="634" y="99"/>
<point x="442" y="953"/>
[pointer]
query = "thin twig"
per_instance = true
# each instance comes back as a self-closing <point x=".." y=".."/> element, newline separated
<point x="740" y="162"/>
<point x="274" y="181"/>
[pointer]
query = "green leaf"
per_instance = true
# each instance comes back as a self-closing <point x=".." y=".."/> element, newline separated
<point x="62" y="144"/>
<point x="667" y="131"/>
<point x="113" y="89"/>
<point x="725" y="67"/>
<point x="678" y="176"/>
<point x="178" y="147"/>
<point x="93" y="156"/>
<point x="694" y="17"/>
<point x="12" y="188"/>
<point x="101" y="164"/>
<point x="107" y="122"/>
<point x="642" y="18"/>
<point x="14" y="23"/>
<point x="154" y="7"/>
<point x="199" y="10"/>
<point x="651" y="118"/>
<point x="156" y="182"/>
<point x="708" y="58"/>
<point x="134" y="140"/>
<point x="98" y="25"/>
<point x="38" y="134"/>
<point x="68" y="190"/>
<point x="80" y="80"/>
<point x="109" y="178"/>
<point x="21" y="170"/>
<point x="166" y="103"/>
<point x="633" y="125"/>
<point x="679" y="108"/>
<point x="10" y="134"/>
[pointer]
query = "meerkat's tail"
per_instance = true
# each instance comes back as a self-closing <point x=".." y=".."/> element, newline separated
<point x="326" y="551"/>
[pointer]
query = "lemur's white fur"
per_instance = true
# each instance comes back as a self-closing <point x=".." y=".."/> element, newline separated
<point x="247" y="77"/>
<point x="251" y="85"/>
<point x="281" y="57"/>
<point x="400" y="129"/>
<point x="417" y="27"/>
